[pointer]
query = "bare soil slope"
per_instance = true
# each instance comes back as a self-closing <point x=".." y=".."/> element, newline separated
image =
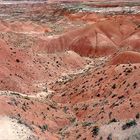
<point x="69" y="74"/>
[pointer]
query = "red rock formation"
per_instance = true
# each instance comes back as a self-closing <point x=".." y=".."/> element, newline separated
<point x="100" y="39"/>
<point x="80" y="84"/>
<point x="21" y="69"/>
<point x="125" y="58"/>
<point x="86" y="42"/>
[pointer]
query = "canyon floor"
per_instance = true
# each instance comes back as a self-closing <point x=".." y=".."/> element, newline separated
<point x="70" y="70"/>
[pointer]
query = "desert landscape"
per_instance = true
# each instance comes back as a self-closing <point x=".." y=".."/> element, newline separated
<point x="70" y="70"/>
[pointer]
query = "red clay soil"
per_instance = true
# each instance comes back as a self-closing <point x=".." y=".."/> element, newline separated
<point x="105" y="94"/>
<point x="100" y="1"/>
<point x="125" y="58"/>
<point x="82" y="84"/>
<point x="101" y="38"/>
<point x="23" y="27"/>
<point x="23" y="70"/>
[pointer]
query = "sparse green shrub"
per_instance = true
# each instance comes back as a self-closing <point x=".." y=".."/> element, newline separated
<point x="129" y="124"/>
<point x="114" y="86"/>
<point x="65" y="109"/>
<point x="44" y="127"/>
<point x="95" y="130"/>
<point x="109" y="137"/>
<point x="137" y="115"/>
<point x="27" y="98"/>
<point x="72" y="120"/>
<point x="113" y="120"/>
<point x="86" y="124"/>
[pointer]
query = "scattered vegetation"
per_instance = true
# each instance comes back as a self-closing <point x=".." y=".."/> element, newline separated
<point x="65" y="109"/>
<point x="72" y="120"/>
<point x="26" y="97"/>
<point x="44" y="127"/>
<point x="137" y="115"/>
<point x="84" y="124"/>
<point x="129" y="124"/>
<point x="17" y="60"/>
<point x="95" y="131"/>
<point x="114" y="86"/>
<point x="113" y="120"/>
<point x="109" y="137"/>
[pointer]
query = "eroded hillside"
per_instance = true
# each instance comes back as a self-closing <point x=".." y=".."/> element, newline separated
<point x="69" y="71"/>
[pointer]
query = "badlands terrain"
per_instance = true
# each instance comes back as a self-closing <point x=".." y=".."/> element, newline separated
<point x="70" y="70"/>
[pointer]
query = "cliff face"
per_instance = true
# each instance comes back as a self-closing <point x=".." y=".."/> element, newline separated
<point x="68" y="72"/>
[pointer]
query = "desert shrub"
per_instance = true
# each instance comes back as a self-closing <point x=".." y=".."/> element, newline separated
<point x="109" y="137"/>
<point x="113" y="120"/>
<point x="114" y="86"/>
<point x="129" y="124"/>
<point x="95" y="130"/>
<point x="72" y="120"/>
<point x="27" y="98"/>
<point x="86" y="124"/>
<point x="137" y="116"/>
<point x="44" y="127"/>
<point x="65" y="109"/>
